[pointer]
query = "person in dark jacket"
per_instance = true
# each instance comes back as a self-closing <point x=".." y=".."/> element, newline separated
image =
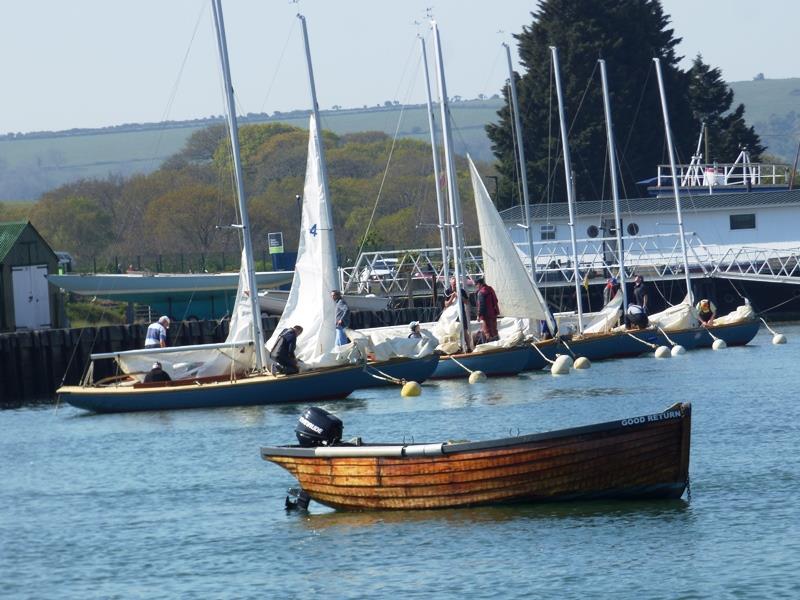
<point x="640" y="292"/>
<point x="488" y="310"/>
<point x="342" y="317"/>
<point x="282" y="355"/>
<point x="157" y="373"/>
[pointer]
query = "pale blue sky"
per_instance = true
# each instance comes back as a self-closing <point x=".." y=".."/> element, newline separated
<point x="91" y="63"/>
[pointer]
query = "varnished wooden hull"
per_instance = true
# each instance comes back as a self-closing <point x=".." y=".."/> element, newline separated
<point x="642" y="457"/>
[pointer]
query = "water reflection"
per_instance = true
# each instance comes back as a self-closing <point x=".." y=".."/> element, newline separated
<point x="321" y="517"/>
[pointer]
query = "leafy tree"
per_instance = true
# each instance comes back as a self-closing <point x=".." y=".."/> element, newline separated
<point x="186" y="220"/>
<point x="711" y="101"/>
<point x="74" y="223"/>
<point x="628" y="34"/>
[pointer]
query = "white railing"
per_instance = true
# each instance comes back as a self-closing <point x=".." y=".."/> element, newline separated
<point x="657" y="257"/>
<point x="725" y="174"/>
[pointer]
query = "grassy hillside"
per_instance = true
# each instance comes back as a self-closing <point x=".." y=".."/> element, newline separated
<point x="771" y="106"/>
<point x="32" y="165"/>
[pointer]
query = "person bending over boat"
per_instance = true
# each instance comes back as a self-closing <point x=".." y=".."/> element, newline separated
<point x="706" y="311"/>
<point x="637" y="317"/>
<point x="156" y="336"/>
<point x="157" y="373"/>
<point x="342" y="317"/>
<point x="488" y="310"/>
<point x="282" y="355"/>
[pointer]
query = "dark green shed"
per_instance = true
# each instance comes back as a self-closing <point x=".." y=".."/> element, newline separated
<point x="27" y="302"/>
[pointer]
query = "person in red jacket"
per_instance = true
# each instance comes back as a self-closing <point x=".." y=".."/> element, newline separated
<point x="488" y="311"/>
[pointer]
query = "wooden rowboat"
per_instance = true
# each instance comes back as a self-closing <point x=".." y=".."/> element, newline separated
<point x="635" y="458"/>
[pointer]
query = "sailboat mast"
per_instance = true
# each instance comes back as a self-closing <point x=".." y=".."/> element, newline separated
<point x="522" y="169"/>
<point x="456" y="225"/>
<point x="570" y="188"/>
<point x="671" y="150"/>
<point x="258" y="334"/>
<point x="612" y="159"/>
<point x="436" y="168"/>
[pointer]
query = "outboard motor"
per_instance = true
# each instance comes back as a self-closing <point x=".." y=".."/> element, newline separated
<point x="317" y="427"/>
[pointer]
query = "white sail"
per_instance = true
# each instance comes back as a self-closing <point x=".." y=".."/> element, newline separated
<point x="309" y="304"/>
<point x="503" y="269"/>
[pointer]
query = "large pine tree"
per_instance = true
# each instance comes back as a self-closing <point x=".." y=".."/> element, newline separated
<point x="628" y="34"/>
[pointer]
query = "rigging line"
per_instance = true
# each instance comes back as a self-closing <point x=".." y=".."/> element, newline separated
<point x="391" y="152"/>
<point x="176" y="85"/>
<point x="761" y="312"/>
<point x="583" y="98"/>
<point x="278" y="66"/>
<point x="492" y="70"/>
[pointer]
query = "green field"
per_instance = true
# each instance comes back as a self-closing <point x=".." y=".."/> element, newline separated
<point x="30" y="166"/>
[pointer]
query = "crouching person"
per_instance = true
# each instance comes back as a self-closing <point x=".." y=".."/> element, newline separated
<point x="282" y="354"/>
<point x="637" y="317"/>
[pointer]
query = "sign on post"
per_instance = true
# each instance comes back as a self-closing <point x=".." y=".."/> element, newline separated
<point x="275" y="242"/>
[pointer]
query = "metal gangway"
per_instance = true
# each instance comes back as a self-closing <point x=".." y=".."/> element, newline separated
<point x="418" y="272"/>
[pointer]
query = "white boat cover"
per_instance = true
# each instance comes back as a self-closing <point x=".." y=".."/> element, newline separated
<point x="744" y="312"/>
<point x="503" y="269"/>
<point x="602" y="321"/>
<point x="309" y="303"/>
<point x="194" y="362"/>
<point x="675" y="318"/>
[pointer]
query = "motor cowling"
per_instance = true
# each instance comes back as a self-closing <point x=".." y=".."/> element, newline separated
<point x="318" y="427"/>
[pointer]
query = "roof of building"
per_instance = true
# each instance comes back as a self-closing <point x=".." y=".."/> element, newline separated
<point x="9" y="234"/>
<point x="636" y="206"/>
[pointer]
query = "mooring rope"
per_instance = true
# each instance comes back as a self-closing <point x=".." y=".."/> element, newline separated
<point x="564" y="343"/>
<point x="642" y="341"/>
<point x="381" y="375"/>
<point x="771" y="330"/>
<point x="467" y="369"/>
<point x="664" y="333"/>
<point x="535" y="347"/>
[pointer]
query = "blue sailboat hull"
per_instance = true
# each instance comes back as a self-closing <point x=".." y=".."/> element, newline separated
<point x="736" y="334"/>
<point x="312" y="386"/>
<point x="407" y="369"/>
<point x="495" y="363"/>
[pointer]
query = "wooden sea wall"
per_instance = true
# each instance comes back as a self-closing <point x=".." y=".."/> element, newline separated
<point x="33" y="364"/>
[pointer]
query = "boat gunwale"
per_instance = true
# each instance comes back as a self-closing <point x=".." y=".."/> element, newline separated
<point x="684" y="410"/>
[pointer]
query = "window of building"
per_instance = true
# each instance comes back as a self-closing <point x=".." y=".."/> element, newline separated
<point x="747" y="221"/>
<point x="548" y="232"/>
<point x="592" y="231"/>
<point x="633" y="229"/>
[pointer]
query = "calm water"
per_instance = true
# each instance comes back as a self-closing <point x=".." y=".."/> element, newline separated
<point x="179" y="504"/>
